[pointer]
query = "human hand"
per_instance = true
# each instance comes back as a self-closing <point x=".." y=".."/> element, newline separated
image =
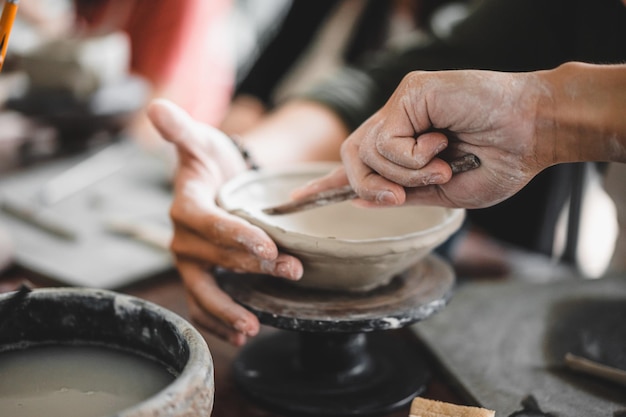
<point x="205" y="235"/>
<point x="399" y="154"/>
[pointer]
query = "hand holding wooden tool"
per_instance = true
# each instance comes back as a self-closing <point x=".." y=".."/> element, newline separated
<point x="6" y="24"/>
<point x="337" y="195"/>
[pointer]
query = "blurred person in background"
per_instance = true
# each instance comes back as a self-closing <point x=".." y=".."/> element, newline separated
<point x="314" y="39"/>
<point x="180" y="47"/>
<point x="177" y="45"/>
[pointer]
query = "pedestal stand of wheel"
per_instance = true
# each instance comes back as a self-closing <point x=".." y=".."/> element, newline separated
<point x="332" y="355"/>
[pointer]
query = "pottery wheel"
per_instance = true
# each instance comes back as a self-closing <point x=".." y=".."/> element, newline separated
<point x="334" y="359"/>
<point x="411" y="296"/>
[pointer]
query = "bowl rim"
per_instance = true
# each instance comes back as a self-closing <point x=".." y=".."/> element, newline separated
<point x="453" y="219"/>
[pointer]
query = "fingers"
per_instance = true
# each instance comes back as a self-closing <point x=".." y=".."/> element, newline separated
<point x="406" y="161"/>
<point x="215" y="310"/>
<point x="191" y="246"/>
<point x="366" y="182"/>
<point x="213" y="325"/>
<point x="222" y="228"/>
<point x="409" y="152"/>
<point x="209" y="234"/>
<point x="378" y="169"/>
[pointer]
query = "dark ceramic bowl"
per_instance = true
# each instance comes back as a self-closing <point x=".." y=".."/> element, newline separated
<point x="77" y="316"/>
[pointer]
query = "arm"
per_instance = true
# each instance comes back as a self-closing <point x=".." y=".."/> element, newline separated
<point x="501" y="35"/>
<point x="584" y="114"/>
<point x="298" y="131"/>
<point x="518" y="124"/>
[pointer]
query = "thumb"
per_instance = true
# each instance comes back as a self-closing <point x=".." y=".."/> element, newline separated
<point x="172" y="122"/>
<point x="195" y="141"/>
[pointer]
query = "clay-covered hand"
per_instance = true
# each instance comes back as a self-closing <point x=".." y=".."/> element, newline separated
<point x="399" y="154"/>
<point x="205" y="235"/>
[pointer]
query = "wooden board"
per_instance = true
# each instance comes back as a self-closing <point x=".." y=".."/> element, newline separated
<point x="502" y="342"/>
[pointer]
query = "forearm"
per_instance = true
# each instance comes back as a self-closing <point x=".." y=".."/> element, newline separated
<point x="298" y="131"/>
<point x="582" y="116"/>
<point x="243" y="114"/>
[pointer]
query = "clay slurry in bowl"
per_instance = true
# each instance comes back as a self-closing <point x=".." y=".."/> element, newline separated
<point x="85" y="381"/>
<point x="342" y="247"/>
<point x="86" y="352"/>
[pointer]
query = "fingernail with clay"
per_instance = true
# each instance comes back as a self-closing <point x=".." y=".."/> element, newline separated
<point x="386" y="197"/>
<point x="241" y="326"/>
<point x="435" y="179"/>
<point x="285" y="270"/>
<point x="237" y="339"/>
<point x="261" y="251"/>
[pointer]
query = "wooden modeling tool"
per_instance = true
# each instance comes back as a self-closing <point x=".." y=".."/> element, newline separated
<point x="590" y="367"/>
<point x="337" y="195"/>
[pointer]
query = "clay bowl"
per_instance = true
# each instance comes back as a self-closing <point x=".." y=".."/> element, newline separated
<point x="75" y="317"/>
<point x="342" y="247"/>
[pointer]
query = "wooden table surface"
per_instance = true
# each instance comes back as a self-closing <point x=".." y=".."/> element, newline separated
<point x="167" y="290"/>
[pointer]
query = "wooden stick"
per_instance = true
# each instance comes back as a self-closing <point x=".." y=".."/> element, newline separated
<point x="465" y="163"/>
<point x="590" y="367"/>
<point x="33" y="215"/>
<point x="152" y="234"/>
<point x="337" y="195"/>
<point x="323" y="198"/>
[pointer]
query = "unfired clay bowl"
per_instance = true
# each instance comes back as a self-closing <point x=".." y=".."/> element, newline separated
<point x="342" y="247"/>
